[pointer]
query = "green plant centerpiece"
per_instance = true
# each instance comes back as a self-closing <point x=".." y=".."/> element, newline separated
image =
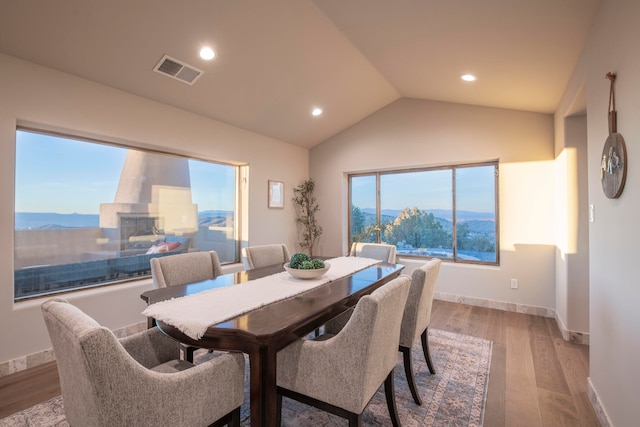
<point x="302" y="266"/>
<point x="303" y="261"/>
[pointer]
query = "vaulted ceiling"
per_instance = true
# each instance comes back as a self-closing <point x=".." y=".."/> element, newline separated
<point x="278" y="59"/>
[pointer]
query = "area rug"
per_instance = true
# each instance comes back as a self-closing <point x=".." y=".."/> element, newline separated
<point x="455" y="396"/>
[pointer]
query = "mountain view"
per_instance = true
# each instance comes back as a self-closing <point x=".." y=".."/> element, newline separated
<point x="429" y="232"/>
<point x="477" y="222"/>
<point x="53" y="221"/>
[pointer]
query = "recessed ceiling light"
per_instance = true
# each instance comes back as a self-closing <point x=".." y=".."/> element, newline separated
<point x="207" y="53"/>
<point x="468" y="77"/>
<point x="316" y="111"/>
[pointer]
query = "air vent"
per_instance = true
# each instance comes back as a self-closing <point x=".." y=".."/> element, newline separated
<point x="178" y="70"/>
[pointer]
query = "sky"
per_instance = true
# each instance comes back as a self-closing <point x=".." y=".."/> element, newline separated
<point x="55" y="174"/>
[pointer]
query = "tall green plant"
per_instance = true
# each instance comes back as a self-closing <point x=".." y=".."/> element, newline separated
<point x="306" y="208"/>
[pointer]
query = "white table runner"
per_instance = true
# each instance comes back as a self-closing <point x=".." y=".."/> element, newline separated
<point x="193" y="314"/>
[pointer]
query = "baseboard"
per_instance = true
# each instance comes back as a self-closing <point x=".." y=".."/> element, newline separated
<point x="41" y="357"/>
<point x="576" y="337"/>
<point x="498" y="305"/>
<point x="596" y="403"/>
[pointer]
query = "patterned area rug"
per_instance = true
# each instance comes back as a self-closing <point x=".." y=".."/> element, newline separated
<point x="455" y="396"/>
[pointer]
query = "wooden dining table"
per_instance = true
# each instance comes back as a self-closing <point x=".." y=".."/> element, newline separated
<point x="262" y="332"/>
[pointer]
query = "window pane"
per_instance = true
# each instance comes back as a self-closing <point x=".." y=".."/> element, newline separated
<point x="423" y="214"/>
<point x="363" y="208"/>
<point x="476" y="213"/>
<point x="88" y="213"/>
<point x="417" y="210"/>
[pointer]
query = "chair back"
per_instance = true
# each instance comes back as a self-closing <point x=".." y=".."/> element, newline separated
<point x="380" y="251"/>
<point x="264" y="255"/>
<point x="372" y="335"/>
<point x="137" y="380"/>
<point x="70" y="331"/>
<point x="174" y="270"/>
<point x="417" y="312"/>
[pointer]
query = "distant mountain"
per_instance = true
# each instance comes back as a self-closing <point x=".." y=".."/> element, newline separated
<point x="215" y="212"/>
<point x="215" y="218"/>
<point x="438" y="213"/>
<point x="51" y="220"/>
<point x="481" y="227"/>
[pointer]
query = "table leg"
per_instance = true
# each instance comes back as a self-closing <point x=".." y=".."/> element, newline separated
<point x="263" y="392"/>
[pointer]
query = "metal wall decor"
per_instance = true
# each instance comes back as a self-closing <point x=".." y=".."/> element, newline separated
<point x="613" y="163"/>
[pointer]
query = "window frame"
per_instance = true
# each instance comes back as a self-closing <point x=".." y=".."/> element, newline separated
<point x="453" y="168"/>
<point x="239" y="174"/>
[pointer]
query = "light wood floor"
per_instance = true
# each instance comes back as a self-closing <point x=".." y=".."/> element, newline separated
<point x="536" y="378"/>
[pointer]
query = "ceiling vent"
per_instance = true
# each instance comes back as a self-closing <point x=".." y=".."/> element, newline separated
<point x="178" y="70"/>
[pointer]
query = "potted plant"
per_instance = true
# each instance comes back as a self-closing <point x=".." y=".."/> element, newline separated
<point x="306" y="207"/>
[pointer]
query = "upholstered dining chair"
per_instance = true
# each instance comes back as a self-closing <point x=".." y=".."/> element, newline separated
<point x="180" y="269"/>
<point x="341" y="373"/>
<point x="381" y="251"/>
<point x="137" y="380"/>
<point x="415" y="320"/>
<point x="417" y="315"/>
<point x="264" y="255"/>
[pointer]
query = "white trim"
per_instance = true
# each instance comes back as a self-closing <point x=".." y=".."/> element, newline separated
<point x="598" y="407"/>
<point x="498" y="305"/>
<point x="573" y="336"/>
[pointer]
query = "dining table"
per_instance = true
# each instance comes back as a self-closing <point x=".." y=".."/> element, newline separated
<point x="261" y="332"/>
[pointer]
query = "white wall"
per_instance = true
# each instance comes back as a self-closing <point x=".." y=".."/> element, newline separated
<point x="614" y="270"/>
<point x="572" y="227"/>
<point x="411" y="133"/>
<point x="38" y="95"/>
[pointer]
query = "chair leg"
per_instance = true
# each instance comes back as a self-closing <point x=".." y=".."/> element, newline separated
<point x="408" y="371"/>
<point x="278" y="410"/>
<point x="355" y="420"/>
<point x="232" y="419"/>
<point x="235" y="418"/>
<point x="391" y="399"/>
<point x="188" y="353"/>
<point x="425" y="349"/>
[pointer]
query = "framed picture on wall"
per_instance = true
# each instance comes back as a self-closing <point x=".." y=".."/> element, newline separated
<point x="276" y="194"/>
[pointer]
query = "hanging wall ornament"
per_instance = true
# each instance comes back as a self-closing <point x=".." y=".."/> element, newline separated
<point x="613" y="163"/>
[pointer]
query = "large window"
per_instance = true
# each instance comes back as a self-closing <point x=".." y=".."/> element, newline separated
<point x="446" y="212"/>
<point x="90" y="213"/>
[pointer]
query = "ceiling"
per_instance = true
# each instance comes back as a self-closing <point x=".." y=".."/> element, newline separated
<point x="278" y="59"/>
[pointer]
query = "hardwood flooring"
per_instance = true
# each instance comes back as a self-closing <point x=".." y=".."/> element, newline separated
<point x="536" y="379"/>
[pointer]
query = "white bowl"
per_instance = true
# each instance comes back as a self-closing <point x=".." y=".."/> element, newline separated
<point x="307" y="274"/>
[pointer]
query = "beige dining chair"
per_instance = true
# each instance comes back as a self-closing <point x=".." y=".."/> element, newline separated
<point x="417" y="315"/>
<point x="180" y="269"/>
<point x="415" y="320"/>
<point x="341" y="373"/>
<point x="381" y="251"/>
<point x="138" y="380"/>
<point x="264" y="255"/>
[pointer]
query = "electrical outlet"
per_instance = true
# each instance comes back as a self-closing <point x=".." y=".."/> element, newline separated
<point x="514" y="283"/>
